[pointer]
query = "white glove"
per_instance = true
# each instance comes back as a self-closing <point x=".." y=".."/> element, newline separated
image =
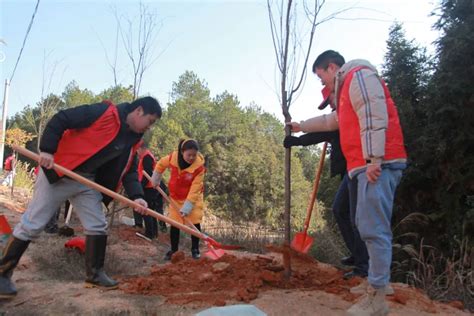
<point x="186" y="208"/>
<point x="156" y="179"/>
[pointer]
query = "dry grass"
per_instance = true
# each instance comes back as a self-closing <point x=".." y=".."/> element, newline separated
<point x="23" y="178"/>
<point x="328" y="246"/>
<point x="251" y="236"/>
<point x="56" y="262"/>
<point x="442" y="278"/>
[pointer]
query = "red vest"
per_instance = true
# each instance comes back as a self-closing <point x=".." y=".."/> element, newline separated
<point x="8" y="163"/>
<point x="140" y="166"/>
<point x="180" y="183"/>
<point x="78" y="145"/>
<point x="349" y="128"/>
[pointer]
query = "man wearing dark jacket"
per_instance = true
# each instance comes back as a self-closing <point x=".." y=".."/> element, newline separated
<point x="345" y="201"/>
<point x="99" y="142"/>
<point x="147" y="162"/>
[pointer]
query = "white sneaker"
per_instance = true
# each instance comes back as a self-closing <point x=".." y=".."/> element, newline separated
<point x="372" y="304"/>
<point x="362" y="288"/>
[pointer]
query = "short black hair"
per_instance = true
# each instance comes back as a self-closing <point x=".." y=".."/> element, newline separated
<point x="326" y="58"/>
<point x="149" y="105"/>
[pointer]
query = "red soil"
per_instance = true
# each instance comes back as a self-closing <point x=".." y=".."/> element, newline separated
<point x="208" y="282"/>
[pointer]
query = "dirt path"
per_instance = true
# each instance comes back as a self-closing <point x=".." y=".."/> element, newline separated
<point x="49" y="279"/>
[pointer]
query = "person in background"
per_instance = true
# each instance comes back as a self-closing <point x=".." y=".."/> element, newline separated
<point x="99" y="142"/>
<point x="147" y="163"/>
<point x="186" y="188"/>
<point x="9" y="167"/>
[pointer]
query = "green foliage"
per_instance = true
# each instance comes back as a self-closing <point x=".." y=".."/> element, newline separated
<point x="436" y="107"/>
<point x="243" y="151"/>
<point x="74" y="96"/>
<point x="451" y="109"/>
<point x="116" y="94"/>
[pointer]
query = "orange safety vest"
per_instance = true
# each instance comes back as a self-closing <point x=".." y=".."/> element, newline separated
<point x="78" y="145"/>
<point x="180" y="183"/>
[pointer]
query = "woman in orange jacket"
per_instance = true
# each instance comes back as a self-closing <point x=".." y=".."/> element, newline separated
<point x="186" y="189"/>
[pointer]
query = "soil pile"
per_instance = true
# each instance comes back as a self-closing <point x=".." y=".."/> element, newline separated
<point x="236" y="277"/>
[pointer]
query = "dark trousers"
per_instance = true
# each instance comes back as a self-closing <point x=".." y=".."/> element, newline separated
<point x="344" y="208"/>
<point x="174" y="238"/>
<point x="52" y="225"/>
<point x="151" y="224"/>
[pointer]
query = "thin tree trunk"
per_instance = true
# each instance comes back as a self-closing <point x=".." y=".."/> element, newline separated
<point x="287" y="217"/>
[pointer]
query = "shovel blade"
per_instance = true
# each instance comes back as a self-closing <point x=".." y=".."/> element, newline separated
<point x="302" y="242"/>
<point x="213" y="253"/>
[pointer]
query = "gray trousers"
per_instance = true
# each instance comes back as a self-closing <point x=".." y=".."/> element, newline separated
<point x="47" y="198"/>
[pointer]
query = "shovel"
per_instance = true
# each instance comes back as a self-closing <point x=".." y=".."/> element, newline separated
<point x="66" y="230"/>
<point x="302" y="242"/>
<point x="212" y="253"/>
<point x="25" y="152"/>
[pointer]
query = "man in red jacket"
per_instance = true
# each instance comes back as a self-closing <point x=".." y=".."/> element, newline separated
<point x="99" y="142"/>
<point x="372" y="143"/>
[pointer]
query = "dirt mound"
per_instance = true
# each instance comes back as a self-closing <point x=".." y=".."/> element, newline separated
<point x="242" y="277"/>
<point x="238" y="278"/>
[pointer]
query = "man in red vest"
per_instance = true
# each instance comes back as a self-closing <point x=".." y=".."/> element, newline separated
<point x="99" y="142"/>
<point x="372" y="143"/>
<point x="147" y="162"/>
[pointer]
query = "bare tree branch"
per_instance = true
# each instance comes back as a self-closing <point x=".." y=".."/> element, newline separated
<point x="140" y="50"/>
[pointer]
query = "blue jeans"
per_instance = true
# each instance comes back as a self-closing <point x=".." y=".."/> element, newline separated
<point x="373" y="219"/>
<point x="344" y="208"/>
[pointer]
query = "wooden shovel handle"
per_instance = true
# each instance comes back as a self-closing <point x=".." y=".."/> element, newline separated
<point x="112" y="194"/>
<point x="314" y="193"/>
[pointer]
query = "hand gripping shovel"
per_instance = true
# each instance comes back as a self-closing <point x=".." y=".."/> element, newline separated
<point x="302" y="242"/>
<point x="124" y="200"/>
<point x="212" y="252"/>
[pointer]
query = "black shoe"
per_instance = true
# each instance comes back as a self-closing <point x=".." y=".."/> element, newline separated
<point x="52" y="229"/>
<point x="348" y="261"/>
<point x="195" y="253"/>
<point x="163" y="228"/>
<point x="169" y="254"/>
<point x="354" y="273"/>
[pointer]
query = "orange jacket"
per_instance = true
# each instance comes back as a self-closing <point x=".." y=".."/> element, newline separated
<point x="185" y="185"/>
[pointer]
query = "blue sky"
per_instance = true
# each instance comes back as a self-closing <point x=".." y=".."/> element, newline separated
<point x="226" y="43"/>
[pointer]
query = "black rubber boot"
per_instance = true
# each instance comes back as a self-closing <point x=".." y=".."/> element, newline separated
<point x="95" y="256"/>
<point x="11" y="256"/>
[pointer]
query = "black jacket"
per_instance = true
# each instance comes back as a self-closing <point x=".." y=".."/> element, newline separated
<point x="148" y="167"/>
<point x="338" y="162"/>
<point x="107" y="164"/>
